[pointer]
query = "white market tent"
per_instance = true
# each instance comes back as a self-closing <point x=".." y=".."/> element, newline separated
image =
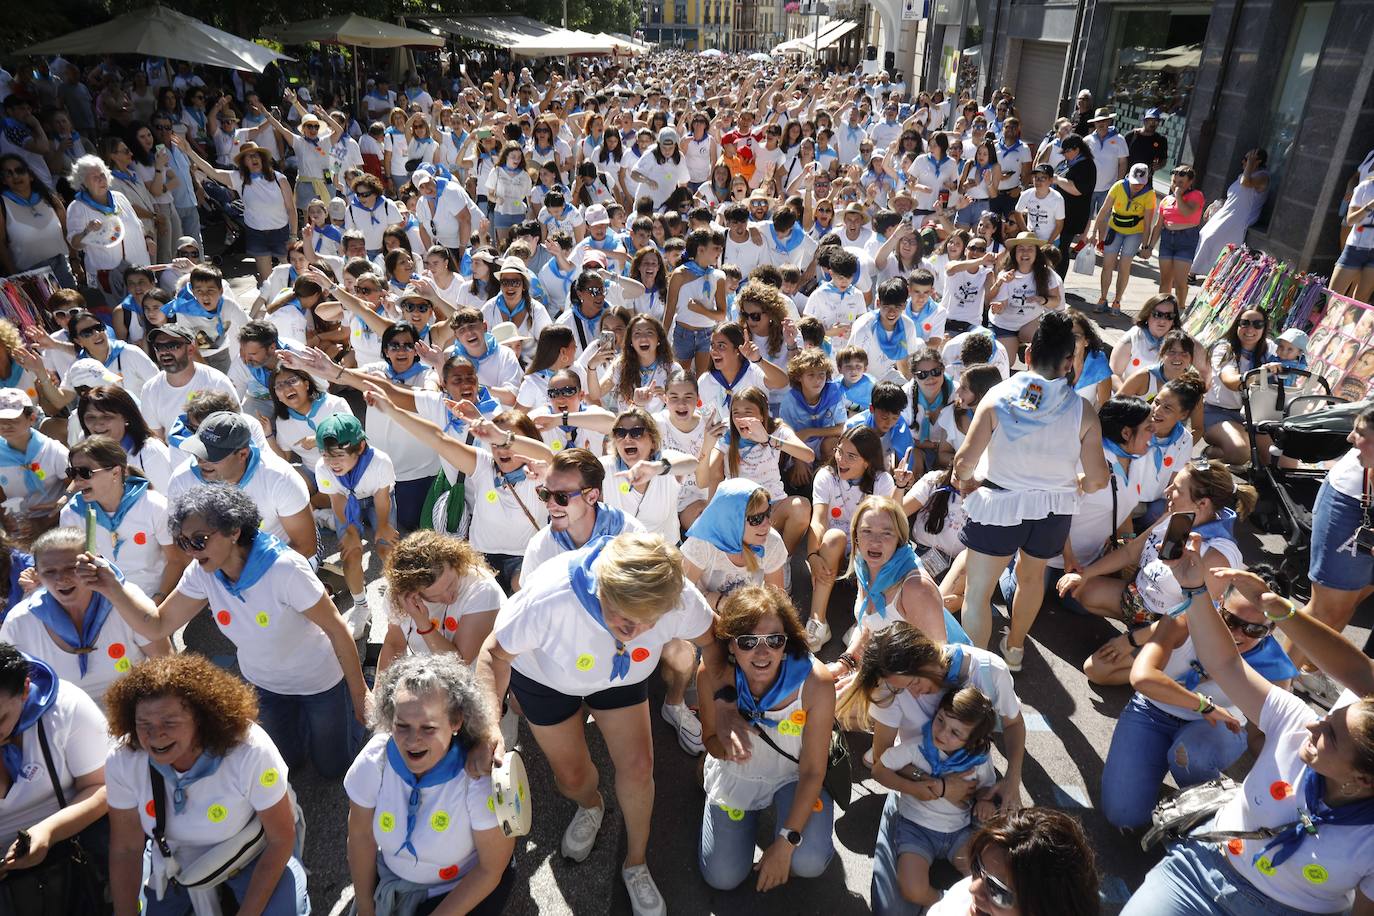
<point x="157" y="31"/>
<point x="353" y="30"/>
<point x="562" y="42"/>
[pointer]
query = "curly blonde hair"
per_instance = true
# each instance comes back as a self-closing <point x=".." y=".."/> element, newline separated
<point x="419" y="559"/>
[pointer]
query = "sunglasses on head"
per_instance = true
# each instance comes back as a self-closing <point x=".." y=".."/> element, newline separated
<point x="193" y="544"/>
<point x="1002" y="897"/>
<point x="750" y="641"/>
<point x="923" y="374"/>
<point x="559" y="497"/>
<point x="73" y="472"/>
<point x="1255" y="323"/>
<point x="629" y="432"/>
<point x="565" y="391"/>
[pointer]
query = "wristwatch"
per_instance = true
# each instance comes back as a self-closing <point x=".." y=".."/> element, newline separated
<point x="793" y="837"/>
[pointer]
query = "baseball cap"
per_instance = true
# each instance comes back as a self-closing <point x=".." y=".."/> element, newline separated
<point x="220" y="435"/>
<point x="13" y="403"/>
<point x="667" y="135"/>
<point x="593" y="258"/>
<point x="1043" y="168"/>
<point x="422" y="176"/>
<point x="171" y="330"/>
<point x="343" y="429"/>
<point x="89" y="373"/>
<point x="1296" y="337"/>
<point x="596" y="215"/>
<point x="1139" y="173"/>
<point x="1153" y="113"/>
<point x="338" y="208"/>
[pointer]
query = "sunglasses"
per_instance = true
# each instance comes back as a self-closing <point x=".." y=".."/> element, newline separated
<point x="397" y="346"/>
<point x="17" y="170"/>
<point x="73" y="472"/>
<point x="752" y="316"/>
<point x="566" y="391"/>
<point x="510" y="283"/>
<point x="64" y="314"/>
<point x="1255" y="323"/>
<point x="91" y="331"/>
<point x="1002" y="897"/>
<point x="629" y="432"/>
<point x="366" y="290"/>
<point x="1163" y="316"/>
<point x="163" y="346"/>
<point x="1253" y="630"/>
<point x="750" y="641"/>
<point x="415" y="306"/>
<point x="597" y="291"/>
<point x="193" y="544"/>
<point x="923" y="374"/>
<point x="753" y="521"/>
<point x="559" y="497"/>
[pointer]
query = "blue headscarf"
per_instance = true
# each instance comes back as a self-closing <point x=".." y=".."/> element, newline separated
<point x="41" y="695"/>
<point x="792" y="673"/>
<point x="721" y="523"/>
<point x="446" y="770"/>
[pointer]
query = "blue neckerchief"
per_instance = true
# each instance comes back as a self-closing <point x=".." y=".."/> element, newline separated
<point x="509" y="478"/>
<point x="353" y="506"/>
<point x="190" y="306"/>
<point x="42" y="694"/>
<point x="895" y="570"/>
<point x="729" y="386"/>
<point x="1004" y="149"/>
<point x="590" y="326"/>
<point x="180" y="432"/>
<point x="541" y="150"/>
<point x="327" y="232"/>
<point x="721" y="523"/>
<point x="372" y="210"/>
<point x="108" y="209"/>
<point x="1157" y="370"/>
<point x="583" y="585"/>
<point x="45" y="607"/>
<point x="307" y="418"/>
<point x="33" y="200"/>
<point x="793" y="671"/>
<point x="830" y="287"/>
<point x="860" y="394"/>
<point x="794" y="238"/>
<point x="1126" y="189"/>
<point x="206" y="765"/>
<point x="1267" y="658"/>
<point x="927" y="310"/>
<point x="1095" y="369"/>
<point x="394" y="132"/>
<point x="261" y="556"/>
<point x="1150" y="338"/>
<point x="928" y="404"/>
<point x="1223" y="526"/>
<point x="938" y="163"/>
<point x="15" y="374"/>
<point x="199" y="117"/>
<point x="1122" y="456"/>
<point x="134" y="488"/>
<point x="610" y="243"/>
<point x="607" y="522"/>
<point x="941" y="763"/>
<point x="116" y="351"/>
<point x="830" y="398"/>
<point x="488" y="351"/>
<point x="955" y="668"/>
<point x="404" y="377"/>
<point x="646" y="374"/>
<point x="449" y="767"/>
<point x="508" y="312"/>
<point x="897" y="440"/>
<point x="27" y="460"/>
<point x="1316" y="812"/>
<point x="1159" y="446"/>
<point x="821" y="230"/>
<point x="251" y="468"/>
<point x="892" y="343"/>
<point x="1031" y="401"/>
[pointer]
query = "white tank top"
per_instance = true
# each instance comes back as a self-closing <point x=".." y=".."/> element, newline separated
<point x="35" y="235"/>
<point x="751" y="785"/>
<point x="702" y="288"/>
<point x="1037" y="472"/>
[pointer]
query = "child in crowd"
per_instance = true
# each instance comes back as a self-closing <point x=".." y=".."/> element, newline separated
<point x="855" y="382"/>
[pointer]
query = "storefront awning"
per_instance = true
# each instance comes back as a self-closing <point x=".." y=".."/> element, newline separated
<point x="800" y="44"/>
<point x="499" y="31"/>
<point x="562" y="42"/>
<point x="834" y="35"/>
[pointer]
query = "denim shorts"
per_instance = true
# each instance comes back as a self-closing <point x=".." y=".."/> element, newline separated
<point x="1336" y="561"/>
<point x="931" y="845"/>
<point x="688" y="342"/>
<point x="506" y="220"/>
<point x="1123" y="245"/>
<point x="1213" y="414"/>
<point x="265" y="242"/>
<point x="969" y="216"/>
<point x="1041" y="538"/>
<point x="546" y="706"/>
<point x="1179" y="244"/>
<point x="1353" y="258"/>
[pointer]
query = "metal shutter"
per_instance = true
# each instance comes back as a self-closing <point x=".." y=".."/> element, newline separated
<point x="1038" y="73"/>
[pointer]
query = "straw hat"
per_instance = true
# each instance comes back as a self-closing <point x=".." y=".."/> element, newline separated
<point x="1102" y="114"/>
<point x="507" y="333"/>
<point x="1025" y="238"/>
<point x="247" y="148"/>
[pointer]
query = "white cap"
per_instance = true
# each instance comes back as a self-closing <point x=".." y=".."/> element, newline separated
<point x="1139" y="173"/>
<point x="90" y="373"/>
<point x="596" y="216"/>
<point x="1296" y="337"/>
<point x="13" y="403"/>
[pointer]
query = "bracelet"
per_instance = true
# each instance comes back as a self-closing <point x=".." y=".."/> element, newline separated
<point x="1292" y="609"/>
<point x="1130" y="638"/>
<point x="667" y="467"/>
<point x="565" y="420"/>
<point x="942" y="787"/>
<point x="339" y="374"/>
<point x="432" y="626"/>
<point x="1205" y="705"/>
<point x="510" y="437"/>
<point x="848" y="661"/>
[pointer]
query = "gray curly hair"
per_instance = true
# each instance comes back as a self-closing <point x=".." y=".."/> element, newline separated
<point x="86" y="166"/>
<point x="445" y="674"/>
<point x="227" y="510"/>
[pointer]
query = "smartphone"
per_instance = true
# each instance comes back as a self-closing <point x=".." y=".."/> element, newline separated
<point x="607" y="340"/>
<point x="1176" y="536"/>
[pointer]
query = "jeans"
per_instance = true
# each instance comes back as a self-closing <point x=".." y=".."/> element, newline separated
<point x="507" y="569"/>
<point x="289" y="897"/>
<point x="885" y="895"/>
<point x="726" y="855"/>
<point x="1194" y="879"/>
<point x="970" y="214"/>
<point x="409" y="497"/>
<point x="321" y="724"/>
<point x="1147" y="743"/>
<point x="190" y="223"/>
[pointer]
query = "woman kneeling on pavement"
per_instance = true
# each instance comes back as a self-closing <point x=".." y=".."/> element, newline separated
<point x="1312" y="783"/>
<point x="789" y="698"/>
<point x="192" y="770"/>
<point x="420" y="834"/>
<point x="588" y="628"/>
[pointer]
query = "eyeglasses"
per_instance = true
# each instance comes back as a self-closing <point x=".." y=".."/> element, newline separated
<point x="73" y="472"/>
<point x="1163" y="316"/>
<point x="750" y="641"/>
<point x="923" y="374"/>
<point x="629" y="432"/>
<point x="17" y="170"/>
<point x="366" y="290"/>
<point x="598" y="292"/>
<point x="752" y="316"/>
<point x="1255" y="323"/>
<point x="753" y="521"/>
<point x="1002" y="897"/>
<point x="398" y="346"/>
<point x="193" y="544"/>
<point x="559" y="497"/>
<point x="91" y="331"/>
<point x="287" y="381"/>
<point x="565" y="391"/>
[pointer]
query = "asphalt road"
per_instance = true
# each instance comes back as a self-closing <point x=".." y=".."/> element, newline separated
<point x="1069" y="726"/>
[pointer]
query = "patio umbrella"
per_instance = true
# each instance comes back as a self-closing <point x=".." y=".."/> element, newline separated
<point x="157" y="31"/>
<point x="354" y="30"/>
<point x="713" y="52"/>
<point x="761" y="57"/>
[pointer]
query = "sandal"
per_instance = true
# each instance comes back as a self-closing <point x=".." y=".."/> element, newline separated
<point x="1116" y="307"/>
<point x="1101" y="307"/>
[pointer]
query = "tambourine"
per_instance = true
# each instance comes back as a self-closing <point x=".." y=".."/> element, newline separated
<point x="510" y="796"/>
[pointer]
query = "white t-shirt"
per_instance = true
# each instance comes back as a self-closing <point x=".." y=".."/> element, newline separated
<point x="133" y="366"/>
<point x="842" y="497"/>
<point x="955" y="345"/>
<point x="963" y="293"/>
<point x="298" y="436"/>
<point x="499" y="523"/>
<point x="276" y="489"/>
<point x="1107" y="155"/>
<point x="162" y="403"/>
<point x="264" y="204"/>
<point x="478" y="593"/>
<point x="656" y="507"/>
<point x="864" y="334"/>
<point x="379" y="476"/>
<point x="1093" y="522"/>
<point x="279" y="648"/>
<point x="1041" y="214"/>
<point x="558" y="644"/>
<point x="715" y="396"/>
<point x="543" y="547"/>
<point x="409" y="457"/>
<point x="947" y="540"/>
<point x="1362" y="235"/>
<point x="445" y="821"/>
<point x="135" y="546"/>
<point x="1014" y="293"/>
<point x="720" y="574"/>
<point x="759" y="463"/>
<point x="76" y="732"/>
<point x="52" y="464"/>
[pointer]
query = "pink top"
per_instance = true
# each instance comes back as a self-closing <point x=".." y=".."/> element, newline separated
<point x="1172" y="216"/>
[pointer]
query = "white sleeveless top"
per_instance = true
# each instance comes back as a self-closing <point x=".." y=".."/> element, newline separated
<point x="1176" y="668"/>
<point x="751" y="785"/>
<point x="702" y="288"/>
<point x="35" y="235"/>
<point x="1037" y="473"/>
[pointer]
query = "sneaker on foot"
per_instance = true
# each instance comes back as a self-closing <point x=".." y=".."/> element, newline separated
<point x="358" y="617"/>
<point x="688" y="727"/>
<point x="1318" y="688"/>
<point x="1013" y="657"/>
<point x="817" y="633"/>
<point x="580" y="836"/>
<point x="645" y="899"/>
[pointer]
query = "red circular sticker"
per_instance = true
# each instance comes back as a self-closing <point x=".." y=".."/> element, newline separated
<point x="450" y="624"/>
<point x="698" y="402"/>
<point x="1235" y="846"/>
<point x="448" y="873"/>
<point x="1168" y="461"/>
<point x="140" y="538"/>
<point x="926" y="326"/>
<point x="639" y="654"/>
<point x="34" y="466"/>
<point x="1280" y="790"/>
<point x="1135" y="362"/>
<point x="150" y="808"/>
<point x="117" y="650"/>
<point x="836" y="512"/>
<point x="223" y="618"/>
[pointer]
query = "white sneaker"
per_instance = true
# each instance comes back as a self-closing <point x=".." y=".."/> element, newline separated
<point x="688" y="727"/>
<point x="1318" y="687"/>
<point x="817" y="633"/>
<point x="358" y="617"/>
<point x="1013" y="657"/>
<point x="324" y="518"/>
<point x="645" y="899"/>
<point x="580" y="836"/>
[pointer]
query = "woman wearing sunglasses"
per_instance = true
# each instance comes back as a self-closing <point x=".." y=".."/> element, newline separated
<point x="1246" y="346"/>
<point x="1180" y="721"/>
<point x="789" y="698"/>
<point x="1216" y="500"/>
<point x="91" y="339"/>
<point x="515" y="303"/>
<point x="554" y="352"/>
<point x="1138" y="349"/>
<point x="643" y="478"/>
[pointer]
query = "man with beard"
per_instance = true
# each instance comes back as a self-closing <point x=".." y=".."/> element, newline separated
<point x="164" y="396"/>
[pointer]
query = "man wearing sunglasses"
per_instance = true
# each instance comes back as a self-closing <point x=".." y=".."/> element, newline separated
<point x="572" y="496"/>
<point x="222" y="451"/>
<point x="164" y="396"/>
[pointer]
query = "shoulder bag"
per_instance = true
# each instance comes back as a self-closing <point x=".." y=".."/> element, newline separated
<point x="1175" y="818"/>
<point x="217" y="864"/>
<point x="839" y="779"/>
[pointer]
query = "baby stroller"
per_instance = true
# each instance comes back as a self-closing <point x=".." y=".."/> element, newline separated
<point x="221" y="201"/>
<point x="1307" y="423"/>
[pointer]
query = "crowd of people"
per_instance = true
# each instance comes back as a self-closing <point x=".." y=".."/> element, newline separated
<point x="624" y="368"/>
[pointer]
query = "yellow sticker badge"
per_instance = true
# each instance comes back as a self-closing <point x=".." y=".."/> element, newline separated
<point x="439" y="821"/>
<point x="269" y="777"/>
<point x="387" y="822"/>
<point x="262" y="619"/>
<point x="1315" y="874"/>
<point x="217" y="813"/>
<point x="585" y="662"/>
